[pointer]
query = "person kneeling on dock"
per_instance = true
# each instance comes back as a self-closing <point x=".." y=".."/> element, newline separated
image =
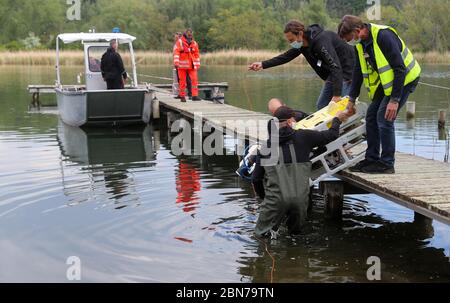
<point x="283" y="182"/>
<point x="274" y="104"/>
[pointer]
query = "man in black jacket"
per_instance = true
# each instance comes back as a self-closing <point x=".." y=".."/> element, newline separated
<point x="113" y="71"/>
<point x="284" y="185"/>
<point x="330" y="57"/>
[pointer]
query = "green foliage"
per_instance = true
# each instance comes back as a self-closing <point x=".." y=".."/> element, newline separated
<point x="217" y="24"/>
<point x="257" y="30"/>
<point x="31" y="42"/>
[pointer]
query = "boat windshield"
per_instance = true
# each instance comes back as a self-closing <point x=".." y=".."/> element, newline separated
<point x="95" y="54"/>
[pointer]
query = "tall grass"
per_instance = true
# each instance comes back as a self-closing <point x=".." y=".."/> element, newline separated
<point x="433" y="57"/>
<point x="143" y="58"/>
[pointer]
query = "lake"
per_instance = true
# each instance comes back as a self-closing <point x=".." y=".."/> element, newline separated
<point x="131" y="211"/>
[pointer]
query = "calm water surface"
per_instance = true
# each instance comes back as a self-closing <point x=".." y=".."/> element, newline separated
<point x="132" y="211"/>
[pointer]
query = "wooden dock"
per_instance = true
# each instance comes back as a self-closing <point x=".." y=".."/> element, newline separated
<point x="419" y="184"/>
<point x="219" y="116"/>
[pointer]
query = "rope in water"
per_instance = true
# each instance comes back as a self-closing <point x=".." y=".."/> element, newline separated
<point x="270" y="255"/>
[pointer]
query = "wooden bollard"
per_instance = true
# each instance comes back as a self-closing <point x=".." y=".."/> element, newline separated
<point x="410" y="109"/>
<point x="333" y="195"/>
<point x="425" y="226"/>
<point x="156" y="113"/>
<point x="442" y="118"/>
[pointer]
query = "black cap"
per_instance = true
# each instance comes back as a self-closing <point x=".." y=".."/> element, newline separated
<point x="284" y="113"/>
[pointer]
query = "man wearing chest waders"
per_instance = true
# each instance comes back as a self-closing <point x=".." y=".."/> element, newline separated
<point x="282" y="177"/>
<point x="390" y="73"/>
<point x="330" y="57"/>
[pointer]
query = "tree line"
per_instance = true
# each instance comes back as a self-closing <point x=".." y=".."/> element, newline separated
<point x="217" y="24"/>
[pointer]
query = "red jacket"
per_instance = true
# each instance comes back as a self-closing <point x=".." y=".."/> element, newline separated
<point x="186" y="55"/>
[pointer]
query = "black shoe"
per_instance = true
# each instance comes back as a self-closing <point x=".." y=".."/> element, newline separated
<point x="378" y="168"/>
<point x="178" y="97"/>
<point x="196" y="99"/>
<point x="183" y="99"/>
<point x="358" y="167"/>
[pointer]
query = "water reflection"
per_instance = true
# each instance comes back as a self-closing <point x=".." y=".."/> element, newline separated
<point x="47" y="167"/>
<point x="338" y="252"/>
<point x="188" y="185"/>
<point x="106" y="158"/>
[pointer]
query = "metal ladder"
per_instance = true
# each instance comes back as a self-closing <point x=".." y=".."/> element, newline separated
<point x="341" y="153"/>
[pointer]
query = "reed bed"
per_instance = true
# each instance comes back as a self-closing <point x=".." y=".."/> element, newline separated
<point x="143" y="58"/>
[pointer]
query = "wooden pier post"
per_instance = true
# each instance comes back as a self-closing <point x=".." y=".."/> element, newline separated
<point x="424" y="224"/>
<point x="442" y="136"/>
<point x="36" y="102"/>
<point x="442" y="118"/>
<point x="410" y="123"/>
<point x="311" y="199"/>
<point x="410" y="109"/>
<point x="156" y="113"/>
<point x="171" y="118"/>
<point x="333" y="195"/>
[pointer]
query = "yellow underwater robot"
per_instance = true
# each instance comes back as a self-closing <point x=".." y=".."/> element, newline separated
<point x="337" y="155"/>
<point x="326" y="114"/>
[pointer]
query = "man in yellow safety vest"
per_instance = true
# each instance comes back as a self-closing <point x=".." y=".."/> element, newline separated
<point x="390" y="73"/>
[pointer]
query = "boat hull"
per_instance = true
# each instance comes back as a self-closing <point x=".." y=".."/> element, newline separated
<point x="104" y="107"/>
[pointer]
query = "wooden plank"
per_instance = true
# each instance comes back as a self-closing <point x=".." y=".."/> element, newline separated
<point x="437" y="176"/>
<point x="432" y="198"/>
<point x="412" y="182"/>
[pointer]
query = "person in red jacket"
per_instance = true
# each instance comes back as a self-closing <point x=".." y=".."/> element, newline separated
<point x="186" y="58"/>
<point x="176" y="79"/>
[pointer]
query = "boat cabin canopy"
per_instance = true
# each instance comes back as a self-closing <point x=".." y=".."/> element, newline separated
<point x="96" y="37"/>
<point x="95" y="44"/>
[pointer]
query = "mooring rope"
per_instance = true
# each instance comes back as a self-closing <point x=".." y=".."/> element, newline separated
<point x="155" y="77"/>
<point x="270" y="255"/>
<point x="434" y="85"/>
<point x="163" y="78"/>
<point x="170" y="79"/>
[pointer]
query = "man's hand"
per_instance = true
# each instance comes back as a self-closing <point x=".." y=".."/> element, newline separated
<point x="342" y="116"/>
<point x="336" y="99"/>
<point x="350" y="110"/>
<point x="257" y="66"/>
<point x="391" y="111"/>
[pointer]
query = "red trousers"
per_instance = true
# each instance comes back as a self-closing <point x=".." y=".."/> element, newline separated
<point x="182" y="81"/>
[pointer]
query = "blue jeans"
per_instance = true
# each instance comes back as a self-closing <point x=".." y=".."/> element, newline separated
<point x="380" y="132"/>
<point x="327" y="93"/>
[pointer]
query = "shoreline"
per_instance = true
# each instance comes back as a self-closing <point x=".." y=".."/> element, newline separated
<point x="149" y="58"/>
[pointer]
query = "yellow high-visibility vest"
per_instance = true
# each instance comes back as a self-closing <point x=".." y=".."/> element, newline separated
<point x="385" y="74"/>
